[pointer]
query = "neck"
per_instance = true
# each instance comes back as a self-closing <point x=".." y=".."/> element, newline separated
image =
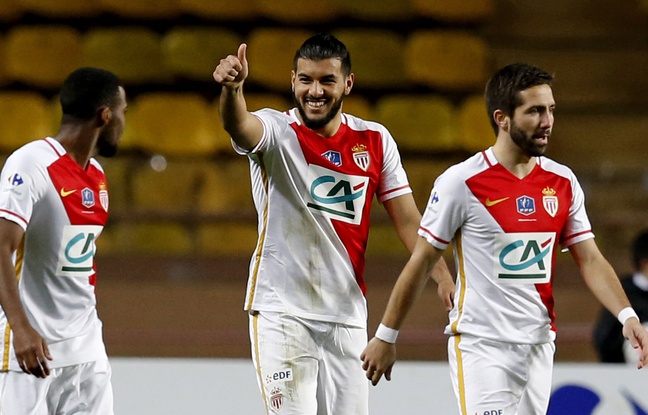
<point x="74" y="139"/>
<point x="329" y="129"/>
<point x="512" y="158"/>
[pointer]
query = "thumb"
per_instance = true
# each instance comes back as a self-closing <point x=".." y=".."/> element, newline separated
<point x="47" y="352"/>
<point x="241" y="54"/>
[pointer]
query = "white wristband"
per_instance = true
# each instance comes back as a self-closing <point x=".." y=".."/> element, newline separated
<point x="625" y="314"/>
<point x="386" y="334"/>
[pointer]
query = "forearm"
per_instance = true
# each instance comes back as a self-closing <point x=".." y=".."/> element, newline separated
<point x="244" y="128"/>
<point x="9" y="295"/>
<point x="605" y="285"/>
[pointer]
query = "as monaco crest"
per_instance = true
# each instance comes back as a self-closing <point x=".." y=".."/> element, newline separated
<point x="276" y="399"/>
<point x="550" y="201"/>
<point x="361" y="156"/>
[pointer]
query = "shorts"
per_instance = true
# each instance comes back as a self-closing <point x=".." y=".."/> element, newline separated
<point x="307" y="367"/>
<point x="84" y="389"/>
<point x="499" y="378"/>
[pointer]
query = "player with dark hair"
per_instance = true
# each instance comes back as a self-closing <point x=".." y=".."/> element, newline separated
<point x="53" y="206"/>
<point x="315" y="171"/>
<point x="506" y="211"/>
<point x="608" y="337"/>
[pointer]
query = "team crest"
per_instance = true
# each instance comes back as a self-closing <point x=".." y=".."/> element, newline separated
<point x="103" y="196"/>
<point x="361" y="156"/>
<point x="550" y="201"/>
<point x="87" y="198"/>
<point x="334" y="157"/>
<point x="525" y="205"/>
<point x="276" y="398"/>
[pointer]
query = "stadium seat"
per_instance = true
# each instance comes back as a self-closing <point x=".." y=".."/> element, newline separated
<point x="384" y="242"/>
<point x="375" y="10"/>
<point x="297" y="11"/>
<point x="421" y="173"/>
<point x="149" y="238"/>
<point x="24" y="117"/>
<point x="59" y="8"/>
<point x="228" y="238"/>
<point x="146" y="9"/>
<point x="446" y="60"/>
<point x="270" y="54"/>
<point x="256" y="101"/>
<point x="173" y="124"/>
<point x="10" y="11"/>
<point x="3" y="70"/>
<point x="220" y="9"/>
<point x="41" y="56"/>
<point x="226" y="188"/>
<point x="133" y="53"/>
<point x="170" y="189"/>
<point x="419" y="122"/>
<point x="454" y="11"/>
<point x="358" y="105"/>
<point x="376" y="56"/>
<point x="193" y="52"/>
<point x="475" y="131"/>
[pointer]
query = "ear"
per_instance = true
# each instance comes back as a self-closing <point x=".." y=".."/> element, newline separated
<point x="292" y="80"/>
<point x="502" y="120"/>
<point x="348" y="83"/>
<point x="105" y="116"/>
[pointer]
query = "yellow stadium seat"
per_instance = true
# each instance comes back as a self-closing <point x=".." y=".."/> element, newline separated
<point x="59" y="8"/>
<point x="226" y="188"/>
<point x="376" y="57"/>
<point x="297" y="11"/>
<point x="475" y="131"/>
<point x="270" y="55"/>
<point x="179" y="124"/>
<point x="454" y="11"/>
<point x="24" y="117"/>
<point x="220" y="9"/>
<point x="447" y="60"/>
<point x="10" y="11"/>
<point x="359" y="106"/>
<point x="147" y="9"/>
<point x="257" y="101"/>
<point x="228" y="238"/>
<point x="421" y="173"/>
<point x="172" y="188"/>
<point x="42" y="56"/>
<point x="149" y="238"/>
<point x="375" y="10"/>
<point x="3" y="70"/>
<point x="419" y="122"/>
<point x="132" y="53"/>
<point x="194" y="52"/>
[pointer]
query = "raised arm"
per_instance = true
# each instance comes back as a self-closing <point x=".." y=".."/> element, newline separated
<point x="31" y="351"/>
<point x="244" y="128"/>
<point x="604" y="284"/>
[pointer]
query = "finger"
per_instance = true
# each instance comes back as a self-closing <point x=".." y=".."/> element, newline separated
<point x="48" y="355"/>
<point x="241" y="54"/>
<point x="388" y="374"/>
<point x="376" y="377"/>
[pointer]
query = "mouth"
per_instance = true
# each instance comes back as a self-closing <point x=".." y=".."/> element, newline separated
<point x="315" y="104"/>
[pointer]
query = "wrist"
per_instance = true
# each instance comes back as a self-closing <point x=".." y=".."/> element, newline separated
<point x="386" y="334"/>
<point x="625" y="314"/>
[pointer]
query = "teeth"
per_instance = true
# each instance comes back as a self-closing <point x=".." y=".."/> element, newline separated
<point x="316" y="103"/>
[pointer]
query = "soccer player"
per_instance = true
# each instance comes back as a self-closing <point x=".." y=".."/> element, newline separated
<point x="53" y="206"/>
<point x="608" y="337"/>
<point x="315" y="171"/>
<point x="506" y="211"/>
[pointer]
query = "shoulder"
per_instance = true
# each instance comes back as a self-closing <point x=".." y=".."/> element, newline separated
<point x="359" y="124"/>
<point x="95" y="163"/>
<point x="553" y="166"/>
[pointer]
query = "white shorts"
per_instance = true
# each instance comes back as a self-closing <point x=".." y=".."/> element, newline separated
<point x="491" y="377"/>
<point x="308" y="367"/>
<point x="79" y="389"/>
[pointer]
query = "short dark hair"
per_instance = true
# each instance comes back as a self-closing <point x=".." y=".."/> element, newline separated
<point x="640" y="248"/>
<point x="86" y="90"/>
<point x="324" y="46"/>
<point x="503" y="89"/>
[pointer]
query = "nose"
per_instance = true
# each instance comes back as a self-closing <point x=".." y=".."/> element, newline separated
<point x="546" y="120"/>
<point x="316" y="89"/>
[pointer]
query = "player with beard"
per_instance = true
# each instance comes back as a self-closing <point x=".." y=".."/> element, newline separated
<point x="53" y="206"/>
<point x="314" y="171"/>
<point x="506" y="211"/>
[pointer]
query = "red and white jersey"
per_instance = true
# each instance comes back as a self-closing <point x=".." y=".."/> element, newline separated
<point x="505" y="232"/>
<point x="63" y="209"/>
<point x="313" y="197"/>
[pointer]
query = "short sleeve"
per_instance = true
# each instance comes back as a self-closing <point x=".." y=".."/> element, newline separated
<point x="18" y="189"/>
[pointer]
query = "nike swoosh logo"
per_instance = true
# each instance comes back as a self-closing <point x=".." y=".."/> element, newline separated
<point x="490" y="203"/>
<point x="65" y="193"/>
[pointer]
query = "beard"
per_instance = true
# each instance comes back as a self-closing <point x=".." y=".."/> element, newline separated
<point x="317" y="123"/>
<point x="105" y="146"/>
<point x="526" y="142"/>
